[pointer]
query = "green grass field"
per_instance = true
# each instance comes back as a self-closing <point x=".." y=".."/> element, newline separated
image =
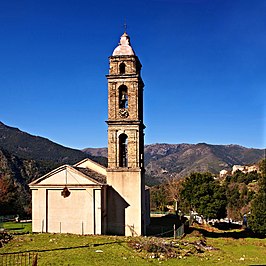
<point x="17" y="228"/>
<point x="66" y="249"/>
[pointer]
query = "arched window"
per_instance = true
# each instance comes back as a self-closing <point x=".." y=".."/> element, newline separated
<point x="123" y="150"/>
<point x="123" y="97"/>
<point x="122" y="68"/>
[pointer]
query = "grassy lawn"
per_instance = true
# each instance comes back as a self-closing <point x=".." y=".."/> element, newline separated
<point x="19" y="228"/>
<point x="230" y="251"/>
<point x="66" y="249"/>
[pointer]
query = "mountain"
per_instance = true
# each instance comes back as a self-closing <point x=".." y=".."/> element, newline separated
<point x="24" y="158"/>
<point x="96" y="152"/>
<point x="15" y="174"/>
<point x="27" y="146"/>
<point x="163" y="161"/>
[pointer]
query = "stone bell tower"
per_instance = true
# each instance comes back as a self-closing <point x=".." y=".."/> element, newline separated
<point x="125" y="172"/>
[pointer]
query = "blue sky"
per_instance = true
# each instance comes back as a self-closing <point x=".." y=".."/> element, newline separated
<point x="204" y="68"/>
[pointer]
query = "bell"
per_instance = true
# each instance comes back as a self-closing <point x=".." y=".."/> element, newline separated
<point x="123" y="97"/>
<point x="65" y="193"/>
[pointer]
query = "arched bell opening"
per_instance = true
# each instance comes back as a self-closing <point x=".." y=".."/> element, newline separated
<point x="123" y="97"/>
<point x="122" y="68"/>
<point x="123" y="152"/>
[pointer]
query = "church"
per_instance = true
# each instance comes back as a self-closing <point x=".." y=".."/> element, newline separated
<point x="88" y="198"/>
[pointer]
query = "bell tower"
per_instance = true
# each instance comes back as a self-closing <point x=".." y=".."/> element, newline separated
<point x="125" y="172"/>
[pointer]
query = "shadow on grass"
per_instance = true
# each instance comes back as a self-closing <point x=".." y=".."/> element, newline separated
<point x="15" y="228"/>
<point x="64" y="248"/>
<point x="163" y="226"/>
<point x="244" y="233"/>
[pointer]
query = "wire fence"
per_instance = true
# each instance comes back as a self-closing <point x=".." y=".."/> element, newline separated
<point x="180" y="231"/>
<point x="20" y="259"/>
<point x="165" y="231"/>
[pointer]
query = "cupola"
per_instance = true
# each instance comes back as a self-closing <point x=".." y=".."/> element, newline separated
<point x="124" y="47"/>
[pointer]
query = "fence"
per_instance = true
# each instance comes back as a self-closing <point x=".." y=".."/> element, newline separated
<point x="6" y="218"/>
<point x="20" y="259"/>
<point x="179" y="231"/>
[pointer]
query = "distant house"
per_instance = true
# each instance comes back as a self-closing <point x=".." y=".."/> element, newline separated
<point x="223" y="173"/>
<point x="245" y="168"/>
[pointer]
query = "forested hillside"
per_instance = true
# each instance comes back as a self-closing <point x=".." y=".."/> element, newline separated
<point x="27" y="146"/>
<point x="164" y="161"/>
<point x="24" y="157"/>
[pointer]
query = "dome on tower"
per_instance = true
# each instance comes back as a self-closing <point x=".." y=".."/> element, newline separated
<point x="124" y="47"/>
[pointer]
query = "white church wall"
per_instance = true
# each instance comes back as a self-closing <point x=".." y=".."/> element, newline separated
<point x="131" y="202"/>
<point x="66" y="176"/>
<point x="38" y="210"/>
<point x="97" y="211"/>
<point x="79" y="213"/>
<point x="73" y="214"/>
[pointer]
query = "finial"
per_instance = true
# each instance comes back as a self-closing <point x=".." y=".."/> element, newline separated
<point x="125" y="26"/>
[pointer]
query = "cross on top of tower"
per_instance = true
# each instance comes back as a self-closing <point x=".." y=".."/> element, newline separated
<point x="125" y="26"/>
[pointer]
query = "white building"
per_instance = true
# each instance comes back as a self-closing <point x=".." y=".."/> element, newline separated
<point x="88" y="198"/>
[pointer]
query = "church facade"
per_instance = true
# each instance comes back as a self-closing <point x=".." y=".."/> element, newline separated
<point x="87" y="198"/>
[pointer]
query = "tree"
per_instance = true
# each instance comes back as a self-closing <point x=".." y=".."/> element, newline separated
<point x="240" y="190"/>
<point x="203" y="194"/>
<point x="13" y="199"/>
<point x="233" y="202"/>
<point x="7" y="195"/>
<point x="262" y="167"/>
<point x="173" y="189"/>
<point x="257" y="218"/>
<point x="159" y="197"/>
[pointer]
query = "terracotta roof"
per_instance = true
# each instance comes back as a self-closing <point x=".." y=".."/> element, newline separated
<point x="92" y="174"/>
